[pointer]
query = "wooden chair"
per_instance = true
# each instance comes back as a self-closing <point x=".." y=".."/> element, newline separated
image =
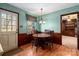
<point x="49" y="41"/>
<point x="35" y="45"/>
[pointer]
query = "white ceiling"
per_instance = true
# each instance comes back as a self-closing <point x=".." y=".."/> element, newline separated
<point x="34" y="8"/>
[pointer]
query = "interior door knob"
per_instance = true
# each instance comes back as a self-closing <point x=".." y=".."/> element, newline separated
<point x="16" y="32"/>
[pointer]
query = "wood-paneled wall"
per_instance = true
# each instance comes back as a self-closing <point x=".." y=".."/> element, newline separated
<point x="57" y="38"/>
<point x="24" y="38"/>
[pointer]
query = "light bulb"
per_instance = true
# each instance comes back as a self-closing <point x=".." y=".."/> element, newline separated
<point x="40" y="22"/>
<point x="44" y="22"/>
<point x="68" y="19"/>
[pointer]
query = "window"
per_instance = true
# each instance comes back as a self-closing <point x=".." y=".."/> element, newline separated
<point x="30" y="23"/>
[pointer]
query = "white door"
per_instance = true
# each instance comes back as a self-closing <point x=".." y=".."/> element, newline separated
<point x="8" y="30"/>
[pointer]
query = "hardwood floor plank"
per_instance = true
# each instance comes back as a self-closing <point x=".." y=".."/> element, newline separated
<point x="57" y="50"/>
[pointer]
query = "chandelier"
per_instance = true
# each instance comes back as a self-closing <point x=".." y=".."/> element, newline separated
<point x="41" y="20"/>
<point x="68" y="18"/>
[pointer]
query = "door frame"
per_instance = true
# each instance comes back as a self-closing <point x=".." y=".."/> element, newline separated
<point x="17" y="21"/>
<point x="77" y="23"/>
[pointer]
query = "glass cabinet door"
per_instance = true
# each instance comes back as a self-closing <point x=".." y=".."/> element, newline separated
<point x="8" y="21"/>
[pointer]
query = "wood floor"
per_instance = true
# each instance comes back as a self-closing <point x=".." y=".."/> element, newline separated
<point x="57" y="50"/>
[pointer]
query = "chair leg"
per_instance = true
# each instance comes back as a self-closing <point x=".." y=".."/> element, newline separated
<point x="50" y="46"/>
<point x="34" y="49"/>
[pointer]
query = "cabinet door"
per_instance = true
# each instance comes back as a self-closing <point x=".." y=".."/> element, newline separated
<point x="13" y="43"/>
<point x="4" y="42"/>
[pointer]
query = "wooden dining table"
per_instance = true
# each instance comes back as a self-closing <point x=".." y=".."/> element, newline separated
<point x="42" y="38"/>
<point x="41" y="35"/>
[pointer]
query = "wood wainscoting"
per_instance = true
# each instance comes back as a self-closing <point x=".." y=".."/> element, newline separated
<point x="23" y="38"/>
<point x="57" y="38"/>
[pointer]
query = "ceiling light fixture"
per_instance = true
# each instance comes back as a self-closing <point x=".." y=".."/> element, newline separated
<point x="41" y="20"/>
<point x="68" y="18"/>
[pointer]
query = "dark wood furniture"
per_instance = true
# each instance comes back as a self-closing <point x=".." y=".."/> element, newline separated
<point x="44" y="40"/>
<point x="69" y="24"/>
<point x="68" y="28"/>
<point x="55" y="37"/>
<point x="41" y="35"/>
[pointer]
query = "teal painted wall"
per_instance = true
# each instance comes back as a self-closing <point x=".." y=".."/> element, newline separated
<point x="38" y="25"/>
<point x="22" y="17"/>
<point x="53" y="19"/>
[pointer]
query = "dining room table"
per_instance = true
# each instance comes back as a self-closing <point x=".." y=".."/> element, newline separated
<point x="42" y="38"/>
<point x="41" y="35"/>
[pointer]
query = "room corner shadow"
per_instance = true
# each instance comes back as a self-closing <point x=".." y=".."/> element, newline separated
<point x="12" y="52"/>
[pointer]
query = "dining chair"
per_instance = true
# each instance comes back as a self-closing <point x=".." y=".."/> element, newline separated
<point x="49" y="43"/>
<point x="49" y="40"/>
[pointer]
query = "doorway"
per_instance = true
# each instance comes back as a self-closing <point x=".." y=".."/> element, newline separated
<point x="69" y="30"/>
